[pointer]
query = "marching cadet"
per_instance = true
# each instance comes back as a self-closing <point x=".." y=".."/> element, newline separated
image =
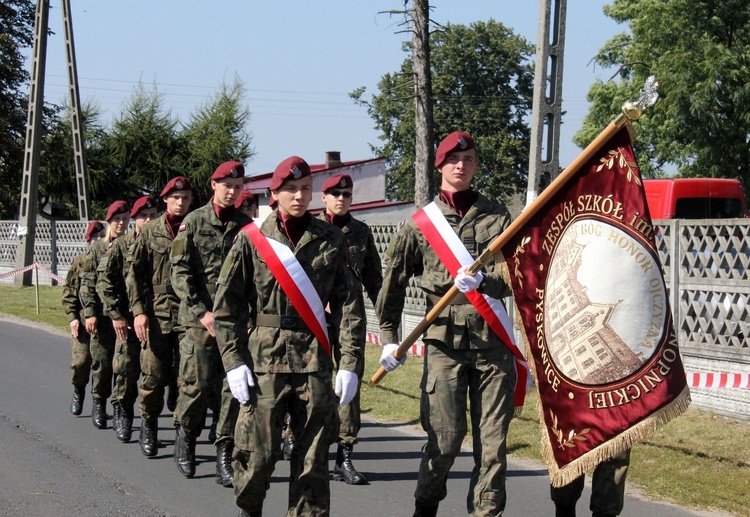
<point x="110" y="286"/>
<point x="80" y="364"/>
<point x="462" y="353"/>
<point x="202" y="243"/>
<point x="155" y="305"/>
<point x="278" y="279"/>
<point x="98" y="323"/>
<point x="367" y="271"/>
<point x="246" y="204"/>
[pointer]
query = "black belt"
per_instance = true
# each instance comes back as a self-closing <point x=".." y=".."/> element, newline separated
<point x="459" y="299"/>
<point x="280" y="322"/>
<point x="163" y="289"/>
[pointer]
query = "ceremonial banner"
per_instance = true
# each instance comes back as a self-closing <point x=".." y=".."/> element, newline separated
<point x="592" y="303"/>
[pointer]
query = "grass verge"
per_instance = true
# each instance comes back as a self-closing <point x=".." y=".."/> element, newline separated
<point x="698" y="460"/>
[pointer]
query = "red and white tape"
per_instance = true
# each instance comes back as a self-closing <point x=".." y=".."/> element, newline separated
<point x="695" y="379"/>
<point x="37" y="266"/>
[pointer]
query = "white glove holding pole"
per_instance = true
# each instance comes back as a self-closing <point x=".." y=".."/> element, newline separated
<point x="346" y="386"/>
<point x="387" y="360"/>
<point x="239" y="379"/>
<point x="466" y="283"/>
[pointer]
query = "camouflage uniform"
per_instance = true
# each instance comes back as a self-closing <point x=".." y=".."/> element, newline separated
<point x="110" y="286"/>
<point x="102" y="344"/>
<point x="607" y="489"/>
<point x="80" y="363"/>
<point x="368" y="272"/>
<point x="462" y="355"/>
<point x="149" y="285"/>
<point x="293" y="371"/>
<point x="198" y="251"/>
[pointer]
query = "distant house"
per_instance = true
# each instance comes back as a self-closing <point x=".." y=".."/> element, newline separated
<point x="368" y="201"/>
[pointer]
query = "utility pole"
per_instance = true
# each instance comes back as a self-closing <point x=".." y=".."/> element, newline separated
<point x="30" y="183"/>
<point x="544" y="155"/>
<point x="424" y="152"/>
<point x="79" y="150"/>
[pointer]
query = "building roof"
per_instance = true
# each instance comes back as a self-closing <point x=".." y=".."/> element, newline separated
<point x="263" y="181"/>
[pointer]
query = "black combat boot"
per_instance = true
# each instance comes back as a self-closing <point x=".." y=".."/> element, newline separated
<point x="125" y="431"/>
<point x="224" y="470"/>
<point x="116" y="417"/>
<point x="184" y="453"/>
<point x="421" y="510"/>
<point x="99" y="414"/>
<point x="243" y="513"/>
<point x="76" y="405"/>
<point x="147" y="439"/>
<point x="212" y="429"/>
<point x="344" y="470"/>
<point x="172" y="397"/>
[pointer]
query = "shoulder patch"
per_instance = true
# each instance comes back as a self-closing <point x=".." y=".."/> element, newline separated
<point x="182" y="228"/>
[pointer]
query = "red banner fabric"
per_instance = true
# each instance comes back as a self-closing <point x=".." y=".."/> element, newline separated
<point x="591" y="300"/>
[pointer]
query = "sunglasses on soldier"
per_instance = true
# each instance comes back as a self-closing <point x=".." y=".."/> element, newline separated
<point x="339" y="193"/>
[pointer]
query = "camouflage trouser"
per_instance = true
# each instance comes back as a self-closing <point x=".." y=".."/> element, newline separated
<point x="312" y="404"/>
<point x="607" y="487"/>
<point x="158" y="355"/>
<point x="351" y="420"/>
<point x="202" y="380"/>
<point x="102" y="346"/>
<point x="127" y="369"/>
<point x="489" y="377"/>
<point x="80" y="363"/>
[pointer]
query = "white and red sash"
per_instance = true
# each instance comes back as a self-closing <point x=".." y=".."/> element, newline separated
<point x="293" y="280"/>
<point x="453" y="254"/>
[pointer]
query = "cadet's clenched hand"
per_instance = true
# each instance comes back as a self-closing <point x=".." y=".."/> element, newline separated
<point x="466" y="283"/>
<point x="387" y="360"/>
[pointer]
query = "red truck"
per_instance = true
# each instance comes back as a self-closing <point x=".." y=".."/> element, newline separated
<point x="695" y="198"/>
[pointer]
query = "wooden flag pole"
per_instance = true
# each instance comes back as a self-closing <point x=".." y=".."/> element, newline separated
<point x="631" y="110"/>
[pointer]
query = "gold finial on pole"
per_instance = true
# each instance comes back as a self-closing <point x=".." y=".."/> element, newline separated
<point x="633" y="109"/>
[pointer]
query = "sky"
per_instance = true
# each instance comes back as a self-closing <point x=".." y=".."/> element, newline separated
<point x="298" y="60"/>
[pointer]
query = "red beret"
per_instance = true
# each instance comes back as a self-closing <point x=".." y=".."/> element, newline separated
<point x="456" y="141"/>
<point x="293" y="167"/>
<point x="118" y="207"/>
<point x="229" y="170"/>
<point x="93" y="228"/>
<point x="178" y="183"/>
<point x="140" y="204"/>
<point x="337" y="181"/>
<point x="246" y="198"/>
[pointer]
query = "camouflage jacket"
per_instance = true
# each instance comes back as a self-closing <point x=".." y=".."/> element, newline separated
<point x="364" y="257"/>
<point x="110" y="278"/>
<point x="458" y="326"/>
<point x="90" y="301"/>
<point x="198" y="251"/>
<point x="248" y="289"/>
<point x="149" y="281"/>
<point x="70" y="302"/>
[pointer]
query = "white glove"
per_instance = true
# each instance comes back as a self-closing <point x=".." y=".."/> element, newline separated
<point x="466" y="283"/>
<point x="346" y="386"/>
<point x="239" y="378"/>
<point x="387" y="360"/>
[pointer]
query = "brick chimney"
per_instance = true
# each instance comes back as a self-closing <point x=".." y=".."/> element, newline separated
<point x="333" y="159"/>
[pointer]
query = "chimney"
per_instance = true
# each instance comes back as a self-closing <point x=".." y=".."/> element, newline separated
<point x="333" y="159"/>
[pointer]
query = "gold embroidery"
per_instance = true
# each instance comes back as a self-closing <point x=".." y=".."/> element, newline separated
<point x="622" y="162"/>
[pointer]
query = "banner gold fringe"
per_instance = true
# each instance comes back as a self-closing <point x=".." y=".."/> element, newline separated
<point x="625" y="440"/>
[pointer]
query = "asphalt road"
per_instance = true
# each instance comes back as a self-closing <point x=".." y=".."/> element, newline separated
<point x="55" y="464"/>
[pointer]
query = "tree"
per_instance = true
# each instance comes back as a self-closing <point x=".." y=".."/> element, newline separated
<point x="143" y="149"/>
<point x="482" y="82"/>
<point x="698" y="51"/>
<point x="57" y="175"/>
<point x="17" y="22"/>
<point x="217" y="132"/>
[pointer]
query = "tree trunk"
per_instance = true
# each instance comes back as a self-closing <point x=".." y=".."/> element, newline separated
<point x="424" y="146"/>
